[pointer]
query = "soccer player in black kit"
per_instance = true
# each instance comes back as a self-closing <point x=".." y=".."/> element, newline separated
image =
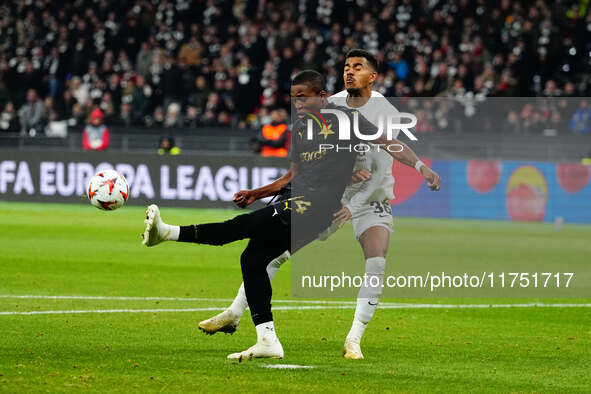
<point x="317" y="178"/>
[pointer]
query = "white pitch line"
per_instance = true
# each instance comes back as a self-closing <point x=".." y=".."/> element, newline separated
<point x="304" y="307"/>
<point x="118" y="298"/>
<point x="287" y="366"/>
<point x="115" y="298"/>
<point x="72" y="312"/>
<point x="390" y="305"/>
<point x="68" y="312"/>
<point x="481" y="306"/>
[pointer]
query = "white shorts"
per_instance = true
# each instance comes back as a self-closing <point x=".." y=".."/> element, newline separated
<point x="374" y="213"/>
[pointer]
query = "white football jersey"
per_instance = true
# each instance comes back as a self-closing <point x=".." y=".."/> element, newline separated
<point x="379" y="162"/>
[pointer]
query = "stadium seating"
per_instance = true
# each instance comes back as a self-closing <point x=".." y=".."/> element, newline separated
<point x="193" y="64"/>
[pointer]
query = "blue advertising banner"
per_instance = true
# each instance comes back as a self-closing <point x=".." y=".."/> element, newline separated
<point x="499" y="190"/>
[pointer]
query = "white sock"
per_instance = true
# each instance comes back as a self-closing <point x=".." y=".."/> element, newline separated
<point x="174" y="232"/>
<point x="367" y="300"/>
<point x="240" y="303"/>
<point x="266" y="330"/>
<point x="357" y="329"/>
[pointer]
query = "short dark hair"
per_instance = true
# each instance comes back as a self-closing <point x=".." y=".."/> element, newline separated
<point x="371" y="59"/>
<point x="311" y="78"/>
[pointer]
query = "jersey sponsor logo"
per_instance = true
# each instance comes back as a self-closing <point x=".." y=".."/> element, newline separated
<point x="313" y="155"/>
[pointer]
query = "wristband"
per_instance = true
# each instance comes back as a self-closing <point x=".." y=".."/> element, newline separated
<point x="418" y="165"/>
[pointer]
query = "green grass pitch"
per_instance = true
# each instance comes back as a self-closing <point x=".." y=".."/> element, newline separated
<point x="65" y="250"/>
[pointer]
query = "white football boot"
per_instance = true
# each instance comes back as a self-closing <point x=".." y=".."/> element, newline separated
<point x="264" y="348"/>
<point x="156" y="230"/>
<point x="226" y="322"/>
<point x="352" y="349"/>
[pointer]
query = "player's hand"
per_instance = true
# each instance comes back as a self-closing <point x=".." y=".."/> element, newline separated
<point x="341" y="216"/>
<point x="360" y="176"/>
<point x="432" y="178"/>
<point x="244" y="198"/>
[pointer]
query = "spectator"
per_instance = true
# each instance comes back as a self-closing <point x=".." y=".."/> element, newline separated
<point x="199" y="98"/>
<point x="173" y="116"/>
<point x="111" y="117"/>
<point x="65" y="105"/>
<point x="170" y="81"/>
<point x="213" y="106"/>
<point x="8" y="120"/>
<point x="31" y="114"/>
<point x="192" y="118"/>
<point x="55" y="127"/>
<point x="274" y="138"/>
<point x="400" y="66"/>
<point x="96" y="135"/>
<point x="143" y="61"/>
<point x="78" y="116"/>
<point x="580" y="122"/>
<point x="29" y="79"/>
<point x="53" y="68"/>
<point x="79" y="90"/>
<point x="140" y="99"/>
<point x="114" y="89"/>
<point x="158" y="119"/>
<point x="125" y="118"/>
<point x="190" y="53"/>
<point x="168" y="147"/>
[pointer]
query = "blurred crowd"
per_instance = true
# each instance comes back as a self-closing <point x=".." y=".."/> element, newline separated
<point x="191" y="63"/>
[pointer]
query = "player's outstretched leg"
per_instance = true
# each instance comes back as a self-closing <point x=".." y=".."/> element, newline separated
<point x="156" y="230"/>
<point x="228" y="320"/>
<point x="239" y="227"/>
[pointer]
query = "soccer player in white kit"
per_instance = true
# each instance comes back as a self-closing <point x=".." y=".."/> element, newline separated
<point x="366" y="203"/>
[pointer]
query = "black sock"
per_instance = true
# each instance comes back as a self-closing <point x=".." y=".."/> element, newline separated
<point x="188" y="234"/>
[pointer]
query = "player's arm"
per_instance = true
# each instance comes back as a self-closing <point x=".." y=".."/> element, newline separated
<point x="246" y="197"/>
<point x="404" y="154"/>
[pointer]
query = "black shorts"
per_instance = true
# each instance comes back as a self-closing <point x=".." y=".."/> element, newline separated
<point x="306" y="216"/>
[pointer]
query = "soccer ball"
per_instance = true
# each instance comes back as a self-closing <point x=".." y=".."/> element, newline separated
<point x="108" y="190"/>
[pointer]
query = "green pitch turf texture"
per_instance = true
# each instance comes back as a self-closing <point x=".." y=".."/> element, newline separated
<point x="63" y="250"/>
